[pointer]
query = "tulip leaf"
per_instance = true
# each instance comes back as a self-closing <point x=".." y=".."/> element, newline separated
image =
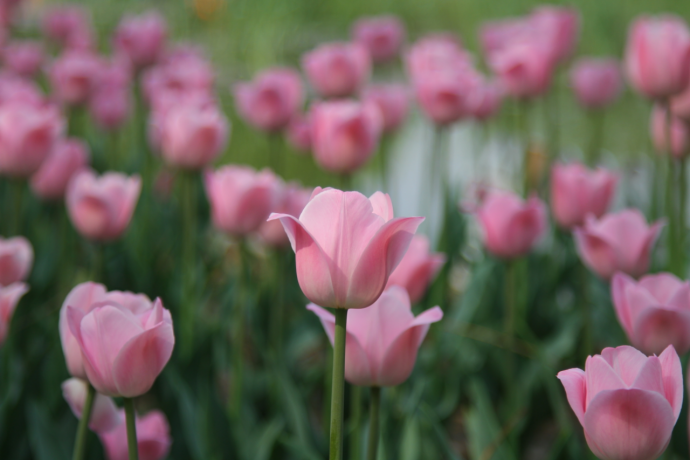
<point x="410" y="438"/>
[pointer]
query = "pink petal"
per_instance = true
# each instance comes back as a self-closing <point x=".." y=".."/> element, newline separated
<point x="381" y="205"/>
<point x="638" y="299"/>
<point x="662" y="286"/>
<point x="650" y="377"/>
<point x="658" y="327"/>
<point x="626" y="362"/>
<point x="600" y="376"/>
<point x="672" y="379"/>
<point x="680" y="298"/>
<point x="643" y="261"/>
<point x="618" y="286"/>
<point x="596" y="252"/>
<point x="573" y="381"/>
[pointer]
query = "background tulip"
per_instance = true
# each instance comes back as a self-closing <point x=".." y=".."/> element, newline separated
<point x="382" y="36"/>
<point x="665" y="126"/>
<point x="486" y="101"/>
<point x="382" y="340"/>
<point x="446" y="97"/>
<point x="495" y="35"/>
<point x="434" y="54"/>
<point x="292" y="200"/>
<point x="177" y="78"/>
<point x="596" y="82"/>
<point x="299" y="133"/>
<point x="104" y="414"/>
<point x="626" y="402"/>
<point x="524" y="67"/>
<point x="68" y="25"/>
<point x="558" y="27"/>
<point x="17" y="89"/>
<point x="679" y="104"/>
<point x="346" y="246"/>
<point x="16" y="259"/>
<point x="68" y="157"/>
<point x="153" y="437"/>
<point x="73" y="76"/>
<point x="23" y="57"/>
<point x="392" y="100"/>
<point x="141" y="38"/>
<point x="9" y="298"/>
<point x="578" y="192"/>
<point x="337" y="69"/>
<point x="417" y="269"/>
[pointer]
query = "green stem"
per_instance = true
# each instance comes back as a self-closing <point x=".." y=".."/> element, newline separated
<point x="188" y="204"/>
<point x="276" y="154"/>
<point x="373" y="436"/>
<point x="337" y="385"/>
<point x="18" y="193"/>
<point x="524" y="137"/>
<point x="239" y="332"/>
<point x="510" y="301"/>
<point x="597" y="119"/>
<point x="276" y="319"/>
<point x="82" y="429"/>
<point x="587" y="322"/>
<point x="132" y="448"/>
<point x="355" y="422"/>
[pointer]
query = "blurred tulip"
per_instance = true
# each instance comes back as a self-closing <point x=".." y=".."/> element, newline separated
<point x="617" y="242"/>
<point x="596" y="82"/>
<point x="153" y="437"/>
<point x="446" y="97"/>
<point x="511" y="226"/>
<point x="101" y="208"/>
<point x="654" y="311"/>
<point x="299" y="133"/>
<point x="558" y="27"/>
<point x="270" y="101"/>
<point x="337" y="69"/>
<point x="141" y="38"/>
<point x="664" y="126"/>
<point x="241" y="198"/>
<point x="382" y="340"/>
<point x="24" y="57"/>
<point x="73" y="76"/>
<point x="657" y="55"/>
<point x="495" y="35"/>
<point x="679" y="104"/>
<point x="345" y="134"/>
<point x="485" y="101"/>
<point x="67" y="157"/>
<point x="17" y="89"/>
<point x="392" y="100"/>
<point x="346" y="246"/>
<point x="436" y="53"/>
<point x="417" y="269"/>
<point x="16" y="259"/>
<point x="292" y="200"/>
<point x="626" y="402"/>
<point x="9" y="298"/>
<point x="382" y="36"/>
<point x="105" y="416"/>
<point x="177" y="78"/>
<point x="578" y="192"/>
<point x="524" y="67"/>
<point x="110" y="107"/>
<point x="69" y="26"/>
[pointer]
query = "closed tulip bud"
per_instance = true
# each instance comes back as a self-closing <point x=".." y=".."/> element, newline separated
<point x="392" y="100"/>
<point x="654" y="312"/>
<point x="346" y="246"/>
<point x="141" y="38"/>
<point x="345" y="134"/>
<point x="382" y="36"/>
<point x="270" y="101"/>
<point x="596" y="82"/>
<point x="665" y="126"/>
<point x="337" y="69"/>
<point x="153" y="437"/>
<point x="292" y="200"/>
<point x="436" y="53"/>
<point x="511" y="226"/>
<point x="105" y="416"/>
<point x="68" y="157"/>
<point x="485" y="102"/>
<point x="417" y="269"/>
<point x="495" y="35"/>
<point x="24" y="58"/>
<point x="299" y="133"/>
<point x="617" y="242"/>
<point x="9" y="298"/>
<point x="524" y="67"/>
<point x="446" y="97"/>
<point x="101" y="208"/>
<point x="73" y="76"/>
<point x="67" y="25"/>
<point x="382" y="340"/>
<point x="679" y="104"/>
<point x="558" y="27"/>
<point x="626" y="402"/>
<point x="177" y="78"/>
<point x="657" y="55"/>
<point x="16" y="259"/>
<point x="578" y="192"/>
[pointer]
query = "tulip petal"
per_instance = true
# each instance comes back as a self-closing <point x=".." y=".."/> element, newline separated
<point x="618" y="286"/>
<point x="382" y="206"/>
<point x="643" y="261"/>
<point x="626" y="362"/>
<point x="638" y="300"/>
<point x="600" y="376"/>
<point x="596" y="252"/>
<point x="672" y="379"/>
<point x="658" y="327"/>
<point x="680" y="298"/>
<point x="662" y="286"/>
<point x="650" y="376"/>
<point x="574" y="384"/>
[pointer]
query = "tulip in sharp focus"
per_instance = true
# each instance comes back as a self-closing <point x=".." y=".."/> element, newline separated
<point x="382" y="340"/>
<point x="68" y="157"/>
<point x="346" y="246"/>
<point x="101" y="207"/>
<point x="524" y="67"/>
<point x="23" y="57"/>
<point x="16" y="259"/>
<point x="626" y="402"/>
<point x="104" y="414"/>
<point x="654" y="311"/>
<point x="292" y="200"/>
<point x="392" y="100"/>
<point x="558" y="27"/>
<point x="417" y="269"/>
<point x="382" y="36"/>
<point x="663" y="126"/>
<point x="153" y="437"/>
<point x="596" y="82"/>
<point x="141" y="38"/>
<point x="73" y="76"/>
<point x="337" y="69"/>
<point x="9" y="298"/>
<point x="617" y="242"/>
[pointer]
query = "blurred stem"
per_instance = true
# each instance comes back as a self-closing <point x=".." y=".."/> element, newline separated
<point x="132" y="447"/>
<point x="82" y="429"/>
<point x="373" y="436"/>
<point x="337" y="385"/>
<point x="346" y="182"/>
<point x="672" y="210"/>
<point x="524" y="139"/>
<point x="276" y="317"/>
<point x="188" y="204"/>
<point x="597" y="129"/>
<point x="355" y="421"/>
<point x="510" y="301"/>
<point x="97" y="272"/>
<point x="276" y="163"/>
<point x="18" y="194"/>
<point x="587" y="321"/>
<point x="239" y="331"/>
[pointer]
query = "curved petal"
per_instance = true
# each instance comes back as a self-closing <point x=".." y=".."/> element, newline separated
<point x="643" y="261"/>
<point x="599" y="376"/>
<point x="662" y="286"/>
<point x="656" y="328"/>
<point x="681" y="298"/>
<point x="626" y="362"/>
<point x="618" y="286"/>
<point x="573" y="381"/>
<point x="650" y="377"/>
<point x="596" y="252"/>
<point x="381" y="205"/>
<point x="673" y="379"/>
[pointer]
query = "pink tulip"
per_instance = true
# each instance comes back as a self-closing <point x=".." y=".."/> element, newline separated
<point x="68" y="157"/>
<point x="392" y="100"/>
<point x="382" y="36"/>
<point x="417" y="269"/>
<point x="73" y="76"/>
<point x="524" y="67"/>
<point x="299" y="133"/>
<point x="16" y="259"/>
<point x="110" y="107"/>
<point x="101" y="208"/>
<point x="510" y="225"/>
<point x="446" y="97"/>
<point x="626" y="402"/>
<point x="617" y="242"/>
<point x="23" y="57"/>
<point x="68" y="26"/>
<point x="558" y="27"/>
<point x="664" y="126"/>
<point x="382" y="340"/>
<point x="9" y="298"/>
<point x="654" y="311"/>
<point x="436" y="53"/>
<point x="345" y="134"/>
<point x="657" y="55"/>
<point x="104" y="414"/>
<point x="17" y="89"/>
<point x="28" y="133"/>
<point x="153" y="437"/>
<point x="485" y="102"/>
<point x="578" y="192"/>
<point x="241" y="198"/>
<point x="679" y="104"/>
<point x="270" y="101"/>
<point x="495" y="35"/>
<point x="292" y="200"/>
<point x="346" y="246"/>
<point x="178" y="77"/>
<point x="141" y="38"/>
<point x="337" y="69"/>
<point x="596" y="82"/>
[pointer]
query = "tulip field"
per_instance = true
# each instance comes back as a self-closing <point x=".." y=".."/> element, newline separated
<point x="267" y="229"/>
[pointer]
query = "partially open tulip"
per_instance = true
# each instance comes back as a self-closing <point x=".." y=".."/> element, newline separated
<point x="291" y="200"/>
<point x="417" y="269"/>
<point x="382" y="36"/>
<point x="558" y="27"/>
<point x="392" y="100"/>
<point x="345" y="134"/>
<point x="346" y="246"/>
<point x="16" y="259"/>
<point x="617" y="242"/>
<point x="382" y="340"/>
<point x="73" y="76"/>
<point x="101" y="208"/>
<point x="446" y="97"/>
<point x="578" y="192"/>
<point x="153" y="437"/>
<point x="665" y="126"/>
<point x="679" y="104"/>
<point x="654" y="311"/>
<point x="337" y="69"/>
<point x="69" y="26"/>
<point x="67" y="157"/>
<point x="510" y="225"/>
<point x="299" y="132"/>
<point x="596" y="82"/>
<point x="524" y="67"/>
<point x="105" y="416"/>
<point x="626" y="402"/>
<point x="23" y="57"/>
<point x="486" y="101"/>
<point x="657" y="55"/>
<point x="141" y="38"/>
<point x="270" y="101"/>
<point x="241" y="198"/>
<point x="9" y="298"/>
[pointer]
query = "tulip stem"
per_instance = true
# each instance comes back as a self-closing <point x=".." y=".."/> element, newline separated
<point x="597" y="121"/>
<point x="587" y="322"/>
<point x="373" y="436"/>
<point x="510" y="316"/>
<point x="82" y="429"/>
<point x="18" y="186"/>
<point x="189" y="273"/>
<point x="276" y="154"/>
<point x="132" y="447"/>
<point x="337" y="385"/>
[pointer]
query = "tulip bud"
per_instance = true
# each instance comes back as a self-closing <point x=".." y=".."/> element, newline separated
<point x="68" y="157"/>
<point x="16" y="259"/>
<point x="9" y="298"/>
<point x="104" y="414"/>
<point x="24" y="58"/>
<point x="596" y="82"/>
<point x="153" y="437"/>
<point x="73" y="76"/>
<point x="665" y="126"/>
<point x="337" y="69"/>
<point x="382" y="36"/>
<point x="141" y="38"/>
<point x="524" y="67"/>
<point x="392" y="100"/>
